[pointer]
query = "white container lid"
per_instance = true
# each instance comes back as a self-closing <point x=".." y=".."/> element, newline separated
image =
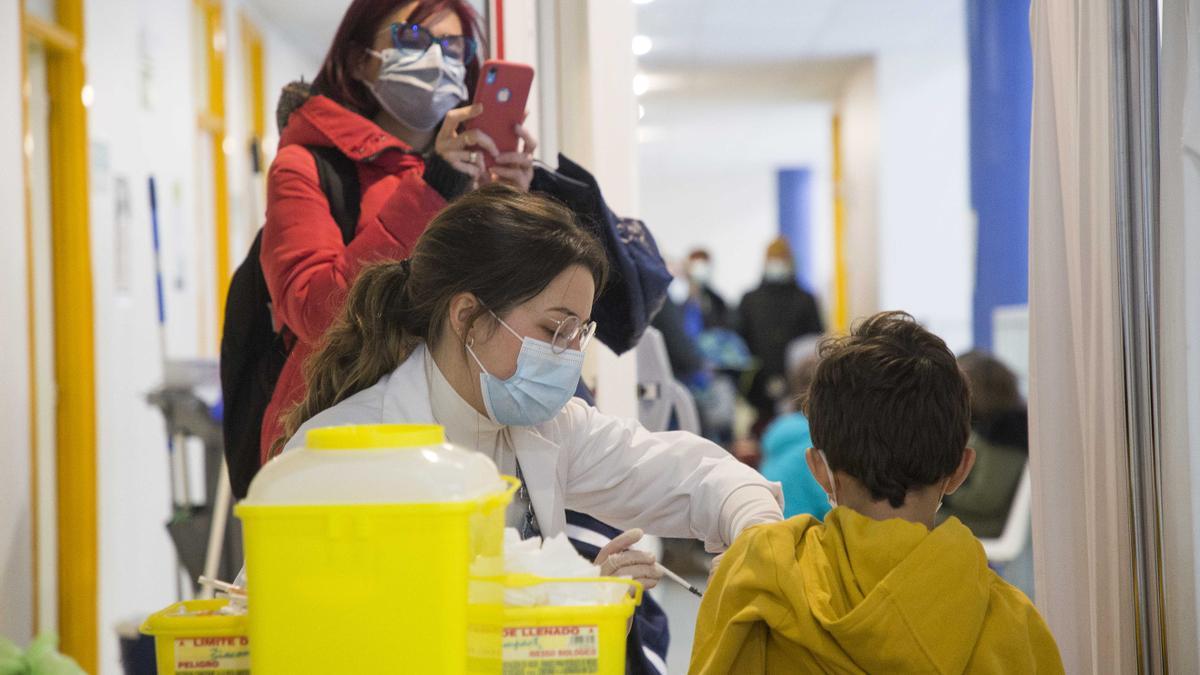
<point x="374" y="464"/>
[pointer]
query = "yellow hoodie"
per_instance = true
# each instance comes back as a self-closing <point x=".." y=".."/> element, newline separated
<point x="858" y="595"/>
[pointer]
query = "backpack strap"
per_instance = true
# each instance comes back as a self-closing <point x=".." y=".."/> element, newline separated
<point x="338" y="175"/>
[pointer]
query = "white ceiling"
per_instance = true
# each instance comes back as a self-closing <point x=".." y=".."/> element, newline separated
<point x="748" y="33"/>
<point x="308" y="24"/>
<point x="697" y="34"/>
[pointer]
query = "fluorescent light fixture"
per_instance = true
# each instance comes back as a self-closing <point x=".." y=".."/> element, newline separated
<point x="641" y="111"/>
<point x="642" y="45"/>
<point x="640" y="84"/>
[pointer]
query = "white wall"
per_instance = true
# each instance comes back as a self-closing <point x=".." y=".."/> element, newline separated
<point x="154" y="38"/>
<point x="16" y="543"/>
<point x="926" y="232"/>
<point x="708" y="177"/>
<point x="1180" y="330"/>
<point x="138" y="126"/>
<point x="859" y="111"/>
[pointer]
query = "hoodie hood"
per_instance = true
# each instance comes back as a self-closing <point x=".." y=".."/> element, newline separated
<point x="868" y="584"/>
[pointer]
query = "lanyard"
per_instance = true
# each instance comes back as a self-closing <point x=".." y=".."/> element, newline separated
<point x="530" y="527"/>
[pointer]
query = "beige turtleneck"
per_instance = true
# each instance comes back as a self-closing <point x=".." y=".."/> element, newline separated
<point x="466" y="428"/>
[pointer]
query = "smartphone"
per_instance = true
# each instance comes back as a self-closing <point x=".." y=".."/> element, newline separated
<point x="503" y="89"/>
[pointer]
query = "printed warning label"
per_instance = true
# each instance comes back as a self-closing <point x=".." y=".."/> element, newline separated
<point x="212" y="655"/>
<point x="551" y="650"/>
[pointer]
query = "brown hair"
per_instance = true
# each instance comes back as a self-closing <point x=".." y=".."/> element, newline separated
<point x="356" y="33"/>
<point x="499" y="244"/>
<point x="993" y="386"/>
<point x="889" y="406"/>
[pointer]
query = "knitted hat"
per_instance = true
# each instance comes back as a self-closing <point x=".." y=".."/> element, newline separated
<point x="779" y="249"/>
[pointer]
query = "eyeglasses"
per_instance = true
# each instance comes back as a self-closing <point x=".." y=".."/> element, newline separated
<point x="570" y="329"/>
<point x="415" y="37"/>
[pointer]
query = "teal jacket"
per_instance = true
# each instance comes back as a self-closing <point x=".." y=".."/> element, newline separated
<point x="783" y="446"/>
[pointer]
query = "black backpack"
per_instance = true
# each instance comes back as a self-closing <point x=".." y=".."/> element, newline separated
<point x="252" y="350"/>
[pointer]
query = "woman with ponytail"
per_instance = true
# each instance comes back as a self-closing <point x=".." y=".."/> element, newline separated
<point x="482" y="330"/>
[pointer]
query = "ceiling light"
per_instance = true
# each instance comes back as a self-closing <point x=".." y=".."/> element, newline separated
<point x="640" y="84"/>
<point x="641" y="111"/>
<point x="87" y="95"/>
<point x="642" y="45"/>
<point x="642" y="2"/>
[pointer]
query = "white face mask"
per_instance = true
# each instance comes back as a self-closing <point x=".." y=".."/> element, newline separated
<point x="418" y="90"/>
<point x="700" y="273"/>
<point x="777" y="271"/>
<point x="678" y="290"/>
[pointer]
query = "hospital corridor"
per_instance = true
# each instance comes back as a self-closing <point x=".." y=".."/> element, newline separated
<point x="599" y="336"/>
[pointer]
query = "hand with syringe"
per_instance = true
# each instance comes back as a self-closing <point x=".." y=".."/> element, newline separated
<point x="619" y="559"/>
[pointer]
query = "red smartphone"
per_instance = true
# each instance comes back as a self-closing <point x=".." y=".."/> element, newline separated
<point x="503" y="89"/>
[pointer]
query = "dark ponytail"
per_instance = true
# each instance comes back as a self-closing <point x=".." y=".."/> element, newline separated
<point x="502" y="245"/>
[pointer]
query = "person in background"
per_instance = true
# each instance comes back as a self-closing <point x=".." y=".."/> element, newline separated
<point x="771" y="317"/>
<point x="786" y="442"/>
<point x="700" y="350"/>
<point x="711" y="310"/>
<point x="389" y="97"/>
<point x="876" y="588"/>
<point x="1000" y="437"/>
<point x="687" y="363"/>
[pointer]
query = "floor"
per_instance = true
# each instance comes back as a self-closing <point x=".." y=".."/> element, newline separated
<point x="688" y="559"/>
<point x="681" y="607"/>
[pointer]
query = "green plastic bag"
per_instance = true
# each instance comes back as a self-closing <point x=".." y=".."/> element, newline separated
<point x="42" y="658"/>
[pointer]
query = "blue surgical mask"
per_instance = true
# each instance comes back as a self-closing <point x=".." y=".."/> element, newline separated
<point x="832" y="485"/>
<point x="418" y="89"/>
<point x="542" y="385"/>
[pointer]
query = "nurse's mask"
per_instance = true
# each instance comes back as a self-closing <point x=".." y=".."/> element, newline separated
<point x="546" y="377"/>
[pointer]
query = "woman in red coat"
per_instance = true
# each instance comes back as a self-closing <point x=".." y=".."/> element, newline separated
<point x="390" y="97"/>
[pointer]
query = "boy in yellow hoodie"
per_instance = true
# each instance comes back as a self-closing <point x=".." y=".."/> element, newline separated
<point x="876" y="588"/>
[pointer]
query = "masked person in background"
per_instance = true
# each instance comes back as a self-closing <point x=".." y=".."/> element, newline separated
<point x="483" y="331"/>
<point x="770" y="318"/>
<point x="710" y="309"/>
<point x="388" y="103"/>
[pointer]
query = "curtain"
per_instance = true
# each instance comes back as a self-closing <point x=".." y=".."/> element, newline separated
<point x="1082" y="550"/>
<point x="1179" y="325"/>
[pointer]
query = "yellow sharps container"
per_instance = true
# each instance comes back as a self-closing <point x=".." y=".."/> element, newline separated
<point x="360" y="548"/>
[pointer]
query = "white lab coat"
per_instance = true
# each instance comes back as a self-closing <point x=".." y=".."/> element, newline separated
<point x="670" y="484"/>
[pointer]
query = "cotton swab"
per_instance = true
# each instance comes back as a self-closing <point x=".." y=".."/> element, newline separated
<point x="222" y="585"/>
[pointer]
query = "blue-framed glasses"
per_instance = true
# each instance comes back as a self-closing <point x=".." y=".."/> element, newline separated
<point x="415" y="37"/>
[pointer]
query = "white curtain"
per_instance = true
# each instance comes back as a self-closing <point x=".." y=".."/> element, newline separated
<point x="1082" y="552"/>
<point x="1179" y="325"/>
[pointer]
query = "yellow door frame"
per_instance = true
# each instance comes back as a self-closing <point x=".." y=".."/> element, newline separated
<point x="212" y="120"/>
<point x="254" y="76"/>
<point x="841" y="298"/>
<point x="74" y="340"/>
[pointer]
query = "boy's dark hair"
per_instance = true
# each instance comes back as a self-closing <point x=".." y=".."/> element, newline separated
<point x="889" y="406"/>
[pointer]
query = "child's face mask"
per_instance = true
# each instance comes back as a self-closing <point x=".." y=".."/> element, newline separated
<point x="832" y="485"/>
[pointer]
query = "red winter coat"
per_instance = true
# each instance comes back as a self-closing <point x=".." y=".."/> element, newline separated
<point x="307" y="268"/>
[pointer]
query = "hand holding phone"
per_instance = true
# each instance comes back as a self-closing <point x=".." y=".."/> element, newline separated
<point x="503" y="89"/>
